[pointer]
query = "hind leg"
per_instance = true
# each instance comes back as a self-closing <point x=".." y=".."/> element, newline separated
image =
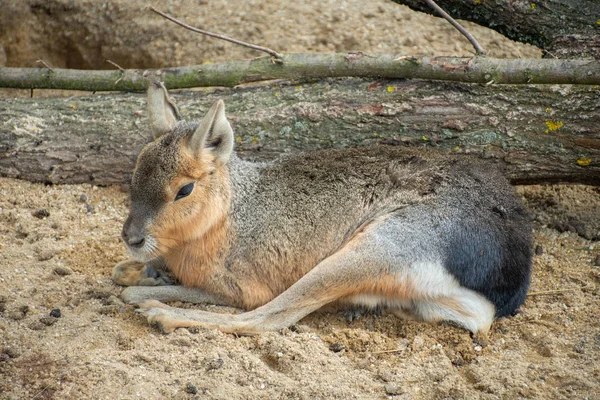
<point x="461" y="307"/>
<point x="372" y="268"/>
<point x="436" y="296"/>
<point x="357" y="267"/>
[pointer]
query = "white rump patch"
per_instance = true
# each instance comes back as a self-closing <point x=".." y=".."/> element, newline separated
<point x="437" y="297"/>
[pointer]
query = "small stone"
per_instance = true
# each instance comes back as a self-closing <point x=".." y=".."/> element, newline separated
<point x="19" y="313"/>
<point x="62" y="271"/>
<point x="55" y="313"/>
<point x="191" y="389"/>
<point x="579" y="347"/>
<point x="41" y="214"/>
<point x="114" y="301"/>
<point x="48" y="321"/>
<point x="109" y="310"/>
<point x="386" y="376"/>
<point x="181" y="341"/>
<point x="89" y="208"/>
<point x="46" y="255"/>
<point x="393" y="390"/>
<point x="337" y="347"/>
<point x="539" y="250"/>
<point x="214" y="364"/>
<point x="458" y="361"/>
<point x="37" y="326"/>
<point x="300" y="328"/>
<point x="597" y="261"/>
<point x="11" y="351"/>
<point x="480" y="340"/>
<point x="83" y="198"/>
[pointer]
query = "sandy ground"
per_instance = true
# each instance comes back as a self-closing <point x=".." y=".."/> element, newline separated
<point x="66" y="335"/>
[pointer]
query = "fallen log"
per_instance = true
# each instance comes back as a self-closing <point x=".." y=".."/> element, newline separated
<point x="536" y="133"/>
<point x="562" y="28"/>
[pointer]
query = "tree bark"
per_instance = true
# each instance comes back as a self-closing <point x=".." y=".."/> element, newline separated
<point x="538" y="134"/>
<point x="304" y="67"/>
<point x="563" y="28"/>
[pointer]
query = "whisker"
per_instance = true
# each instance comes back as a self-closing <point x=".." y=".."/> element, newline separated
<point x="169" y="238"/>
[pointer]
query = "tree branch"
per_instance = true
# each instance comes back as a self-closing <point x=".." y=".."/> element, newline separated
<point x="273" y="53"/>
<point x="459" y="27"/>
<point x="306" y="67"/>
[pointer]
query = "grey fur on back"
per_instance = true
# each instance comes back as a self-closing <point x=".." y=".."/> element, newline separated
<point x="302" y="208"/>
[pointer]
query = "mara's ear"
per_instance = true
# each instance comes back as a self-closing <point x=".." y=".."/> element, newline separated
<point x="213" y="133"/>
<point x="162" y="112"/>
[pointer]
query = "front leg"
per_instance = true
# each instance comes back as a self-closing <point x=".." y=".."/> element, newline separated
<point x="349" y="271"/>
<point x="140" y="294"/>
<point x="133" y="273"/>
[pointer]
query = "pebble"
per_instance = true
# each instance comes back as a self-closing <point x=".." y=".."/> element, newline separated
<point x="539" y="250"/>
<point x="109" y="310"/>
<point x="46" y="255"/>
<point x="297" y="328"/>
<point x="41" y="214"/>
<point x="337" y="347"/>
<point x="89" y="208"/>
<point x="214" y="364"/>
<point x="49" y="320"/>
<point x="19" y="313"/>
<point x="12" y="352"/>
<point x="386" y="376"/>
<point x="62" y="271"/>
<point x="480" y="341"/>
<point x="115" y="301"/>
<point x="579" y="347"/>
<point x="597" y="261"/>
<point x="36" y="326"/>
<point x="393" y="390"/>
<point x="55" y="313"/>
<point x="83" y="198"/>
<point x="191" y="389"/>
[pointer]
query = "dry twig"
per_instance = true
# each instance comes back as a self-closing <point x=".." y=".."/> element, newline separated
<point x="546" y="292"/>
<point x="388" y="351"/>
<point x="276" y="56"/>
<point x="116" y="65"/>
<point x="459" y="27"/>
<point x="44" y="64"/>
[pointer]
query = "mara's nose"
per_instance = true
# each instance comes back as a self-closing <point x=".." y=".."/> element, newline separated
<point x="135" y="241"/>
<point x="131" y="238"/>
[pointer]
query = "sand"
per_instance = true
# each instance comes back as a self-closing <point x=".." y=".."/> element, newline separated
<point x="65" y="334"/>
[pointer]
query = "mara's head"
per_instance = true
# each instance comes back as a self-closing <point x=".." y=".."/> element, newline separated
<point x="179" y="188"/>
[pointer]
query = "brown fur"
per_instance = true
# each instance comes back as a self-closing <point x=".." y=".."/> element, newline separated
<point x="287" y="238"/>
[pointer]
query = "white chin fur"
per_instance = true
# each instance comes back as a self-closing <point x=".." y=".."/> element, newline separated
<point x="145" y="254"/>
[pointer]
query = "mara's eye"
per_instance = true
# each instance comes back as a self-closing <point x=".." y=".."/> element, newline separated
<point x="184" y="191"/>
